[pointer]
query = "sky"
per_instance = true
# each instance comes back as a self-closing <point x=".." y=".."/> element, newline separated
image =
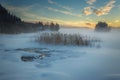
<point x="68" y="13"/>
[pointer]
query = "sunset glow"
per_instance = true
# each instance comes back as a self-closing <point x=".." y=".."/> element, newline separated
<point x="68" y="13"/>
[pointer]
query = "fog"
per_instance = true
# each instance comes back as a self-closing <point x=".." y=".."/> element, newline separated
<point x="97" y="62"/>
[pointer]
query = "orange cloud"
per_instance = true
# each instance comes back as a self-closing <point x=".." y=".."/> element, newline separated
<point x="87" y="11"/>
<point x="100" y="11"/>
<point x="106" y="9"/>
<point x="89" y="24"/>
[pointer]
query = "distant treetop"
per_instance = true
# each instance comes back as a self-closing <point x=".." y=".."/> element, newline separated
<point x="102" y="26"/>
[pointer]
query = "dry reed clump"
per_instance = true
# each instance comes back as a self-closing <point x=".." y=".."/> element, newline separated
<point x="63" y="39"/>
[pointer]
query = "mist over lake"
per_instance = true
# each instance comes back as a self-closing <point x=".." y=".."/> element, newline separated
<point x="59" y="39"/>
<point x="98" y="62"/>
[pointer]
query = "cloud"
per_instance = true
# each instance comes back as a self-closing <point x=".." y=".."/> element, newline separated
<point x="19" y="11"/>
<point x="52" y="2"/>
<point x="89" y="24"/>
<point x="87" y="11"/>
<point x="106" y="9"/>
<point x="59" y="5"/>
<point x="118" y="6"/>
<point x="100" y="11"/>
<point x="63" y="12"/>
<point x="26" y="14"/>
<point x="90" y="2"/>
<point x="66" y="8"/>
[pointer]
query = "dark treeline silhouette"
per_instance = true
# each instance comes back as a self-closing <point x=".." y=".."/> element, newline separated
<point x="102" y="26"/>
<point x="12" y="24"/>
<point x="52" y="26"/>
<point x="5" y="16"/>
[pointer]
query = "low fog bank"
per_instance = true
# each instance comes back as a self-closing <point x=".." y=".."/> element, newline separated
<point x="65" y="62"/>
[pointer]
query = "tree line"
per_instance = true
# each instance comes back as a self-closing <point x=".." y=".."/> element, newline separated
<point x="10" y="23"/>
<point x="50" y="26"/>
<point x="6" y="17"/>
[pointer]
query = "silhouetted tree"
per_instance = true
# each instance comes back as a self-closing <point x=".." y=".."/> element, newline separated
<point x="102" y="26"/>
<point x="6" y="17"/>
<point x="57" y="27"/>
<point x="41" y="24"/>
<point x="52" y="26"/>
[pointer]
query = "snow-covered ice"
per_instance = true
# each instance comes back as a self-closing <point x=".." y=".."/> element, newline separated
<point x="64" y="62"/>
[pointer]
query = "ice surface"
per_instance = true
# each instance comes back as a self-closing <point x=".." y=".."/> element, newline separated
<point x="65" y="62"/>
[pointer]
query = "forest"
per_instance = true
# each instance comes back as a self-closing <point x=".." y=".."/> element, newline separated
<point x="10" y="23"/>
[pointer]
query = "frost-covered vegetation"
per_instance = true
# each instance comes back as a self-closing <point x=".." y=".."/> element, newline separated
<point x="24" y="59"/>
<point x="63" y="39"/>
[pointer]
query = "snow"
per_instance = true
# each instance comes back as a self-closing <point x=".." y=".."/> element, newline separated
<point x="65" y="62"/>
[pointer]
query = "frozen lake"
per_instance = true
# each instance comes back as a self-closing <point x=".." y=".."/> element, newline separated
<point x="100" y="62"/>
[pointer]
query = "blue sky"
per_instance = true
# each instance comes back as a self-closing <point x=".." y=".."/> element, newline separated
<point x="72" y="13"/>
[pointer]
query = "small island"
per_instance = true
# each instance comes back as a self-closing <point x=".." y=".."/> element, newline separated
<point x="102" y="26"/>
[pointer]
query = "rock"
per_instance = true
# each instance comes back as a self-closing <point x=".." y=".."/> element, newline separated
<point x="32" y="58"/>
<point x="27" y="58"/>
